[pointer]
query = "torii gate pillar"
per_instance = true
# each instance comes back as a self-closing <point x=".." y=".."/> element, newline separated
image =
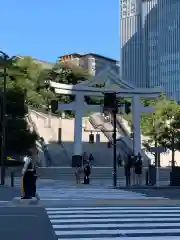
<point x="77" y="156"/>
<point x="136" y="117"/>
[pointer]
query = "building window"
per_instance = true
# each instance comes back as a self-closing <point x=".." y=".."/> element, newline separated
<point x="133" y="8"/>
<point x="124" y="9"/>
<point x="91" y="59"/>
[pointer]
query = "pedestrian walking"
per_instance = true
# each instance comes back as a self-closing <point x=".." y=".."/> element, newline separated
<point x="34" y="192"/>
<point x="138" y="169"/>
<point x="85" y="158"/>
<point x="133" y="174"/>
<point x="119" y="160"/>
<point x="87" y="172"/>
<point x="127" y="168"/>
<point x="78" y="174"/>
<point x="91" y="159"/>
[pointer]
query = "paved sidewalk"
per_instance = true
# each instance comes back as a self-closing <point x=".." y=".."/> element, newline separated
<point x="171" y="192"/>
<point x="7" y="193"/>
<point x="25" y="223"/>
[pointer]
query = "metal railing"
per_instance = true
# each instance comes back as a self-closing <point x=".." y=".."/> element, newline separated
<point x="40" y="142"/>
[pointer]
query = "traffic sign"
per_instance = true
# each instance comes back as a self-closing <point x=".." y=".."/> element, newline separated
<point x="158" y="149"/>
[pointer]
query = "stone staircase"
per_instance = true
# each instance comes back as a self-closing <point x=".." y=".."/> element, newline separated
<point x="97" y="173"/>
<point x="56" y="151"/>
<point x="61" y="154"/>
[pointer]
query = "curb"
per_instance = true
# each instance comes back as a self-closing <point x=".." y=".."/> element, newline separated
<point x="103" y="202"/>
<point x="149" y="188"/>
<point x="17" y="202"/>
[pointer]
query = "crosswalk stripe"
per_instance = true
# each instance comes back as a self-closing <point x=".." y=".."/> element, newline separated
<point x="113" y="208"/>
<point x="114" y="220"/>
<point x="108" y="223"/>
<point x="128" y="238"/>
<point x="116" y="231"/>
<point x="118" y="225"/>
<point x="115" y="211"/>
<point x="87" y="216"/>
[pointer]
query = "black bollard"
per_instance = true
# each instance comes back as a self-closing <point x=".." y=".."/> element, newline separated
<point x="59" y="135"/>
<point x="12" y="179"/>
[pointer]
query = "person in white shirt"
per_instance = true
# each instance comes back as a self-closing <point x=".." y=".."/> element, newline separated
<point x="28" y="174"/>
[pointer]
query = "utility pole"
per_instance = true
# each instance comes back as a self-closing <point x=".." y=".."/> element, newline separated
<point x="114" y="148"/>
<point x="3" y="136"/>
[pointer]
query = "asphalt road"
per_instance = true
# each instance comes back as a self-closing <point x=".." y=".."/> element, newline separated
<point x="25" y="223"/>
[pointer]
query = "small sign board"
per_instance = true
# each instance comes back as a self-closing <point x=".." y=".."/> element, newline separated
<point x="158" y="149"/>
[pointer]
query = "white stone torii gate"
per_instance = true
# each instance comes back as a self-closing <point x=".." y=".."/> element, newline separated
<point x="85" y="89"/>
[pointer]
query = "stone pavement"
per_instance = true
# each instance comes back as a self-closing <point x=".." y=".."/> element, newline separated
<point x="25" y="223"/>
<point x="58" y="190"/>
<point x="169" y="192"/>
<point x="131" y="223"/>
<point x="7" y="193"/>
<point x="98" y="182"/>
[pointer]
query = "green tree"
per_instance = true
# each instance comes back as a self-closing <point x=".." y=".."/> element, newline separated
<point x="169" y="135"/>
<point x="18" y="138"/>
<point x="162" y="127"/>
<point x="67" y="73"/>
<point x="29" y="80"/>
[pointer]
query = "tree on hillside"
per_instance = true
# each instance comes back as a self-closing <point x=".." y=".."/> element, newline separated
<point x="31" y="77"/>
<point x="18" y="138"/>
<point x="12" y="69"/>
<point x="29" y="81"/>
<point x="67" y="73"/>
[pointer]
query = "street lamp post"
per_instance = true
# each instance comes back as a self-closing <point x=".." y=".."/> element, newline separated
<point x="114" y="148"/>
<point x="3" y="119"/>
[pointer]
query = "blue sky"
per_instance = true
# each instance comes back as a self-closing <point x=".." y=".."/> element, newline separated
<point x="47" y="29"/>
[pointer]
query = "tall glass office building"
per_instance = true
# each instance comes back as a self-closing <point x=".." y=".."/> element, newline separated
<point x="150" y="44"/>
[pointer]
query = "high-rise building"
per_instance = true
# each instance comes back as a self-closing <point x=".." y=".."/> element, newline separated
<point x="150" y="44"/>
<point x="91" y="61"/>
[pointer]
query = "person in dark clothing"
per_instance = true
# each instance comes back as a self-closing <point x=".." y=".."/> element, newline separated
<point x="28" y="175"/>
<point x="138" y="169"/>
<point x="127" y="168"/>
<point x="119" y="160"/>
<point x="35" y="176"/>
<point x="84" y="158"/>
<point x="91" y="159"/>
<point x="87" y="172"/>
<point x="133" y="174"/>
